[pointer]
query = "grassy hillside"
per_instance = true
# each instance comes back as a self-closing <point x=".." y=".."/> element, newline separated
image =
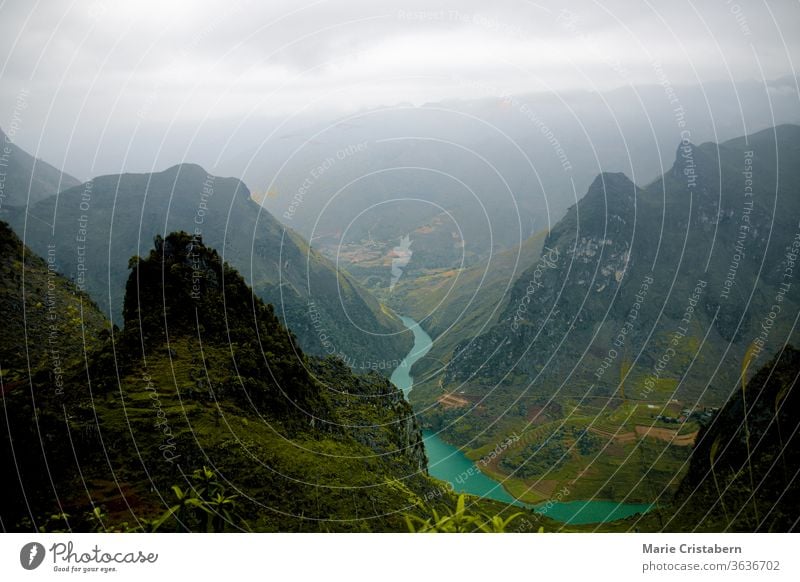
<point x="202" y="414"/>
<point x="49" y="324"/>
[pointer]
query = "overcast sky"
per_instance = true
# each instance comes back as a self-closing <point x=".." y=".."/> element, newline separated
<point x="85" y="68"/>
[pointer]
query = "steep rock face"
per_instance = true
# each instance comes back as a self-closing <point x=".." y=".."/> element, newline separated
<point x="99" y="225"/>
<point x="372" y="410"/>
<point x="659" y="292"/>
<point x="580" y="269"/>
<point x="689" y="232"/>
<point x="741" y="476"/>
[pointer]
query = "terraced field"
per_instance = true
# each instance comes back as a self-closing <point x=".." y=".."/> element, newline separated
<point x="616" y="451"/>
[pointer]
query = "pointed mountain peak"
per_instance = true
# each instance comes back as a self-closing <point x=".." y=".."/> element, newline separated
<point x="692" y="162"/>
<point x="610" y="192"/>
<point x="612" y="183"/>
<point x="184" y="291"/>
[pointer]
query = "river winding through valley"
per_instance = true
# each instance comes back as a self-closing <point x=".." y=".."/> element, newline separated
<point x="448" y="463"/>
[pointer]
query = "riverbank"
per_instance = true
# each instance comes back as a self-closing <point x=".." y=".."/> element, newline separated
<point x="449" y="464"/>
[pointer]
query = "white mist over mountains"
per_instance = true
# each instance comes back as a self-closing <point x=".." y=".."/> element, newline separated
<point x="113" y="86"/>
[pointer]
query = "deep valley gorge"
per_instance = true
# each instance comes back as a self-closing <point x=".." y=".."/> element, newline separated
<point x="594" y="376"/>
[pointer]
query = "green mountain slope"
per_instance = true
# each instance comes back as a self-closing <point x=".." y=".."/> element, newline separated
<point x="46" y="319"/>
<point x="25" y="179"/>
<point x="101" y="224"/>
<point x="202" y="414"/>
<point x="50" y="329"/>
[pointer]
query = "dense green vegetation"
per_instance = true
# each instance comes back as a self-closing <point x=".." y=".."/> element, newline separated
<point x="458" y="520"/>
<point x="48" y="323"/>
<point x="537" y="458"/>
<point x="204" y="375"/>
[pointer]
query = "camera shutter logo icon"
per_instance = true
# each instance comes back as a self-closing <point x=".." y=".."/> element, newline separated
<point x="31" y="555"/>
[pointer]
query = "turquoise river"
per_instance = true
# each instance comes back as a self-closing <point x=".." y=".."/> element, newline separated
<point x="449" y="464"/>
